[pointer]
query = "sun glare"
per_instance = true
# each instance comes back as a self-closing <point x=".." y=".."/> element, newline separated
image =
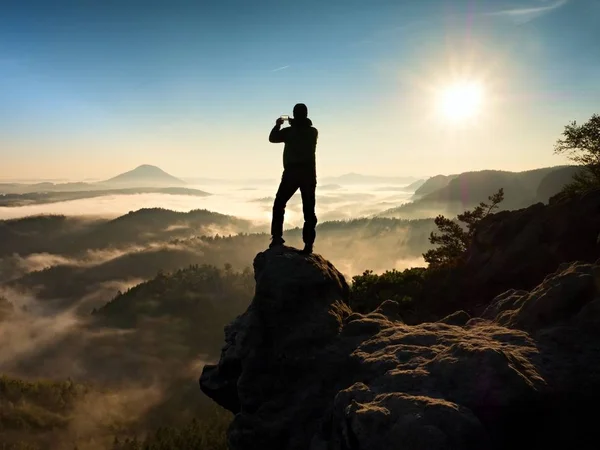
<point x="460" y="101"/>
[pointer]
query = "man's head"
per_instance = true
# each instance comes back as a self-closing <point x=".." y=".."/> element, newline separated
<point x="300" y="111"/>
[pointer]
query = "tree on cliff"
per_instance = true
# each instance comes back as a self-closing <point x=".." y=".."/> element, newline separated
<point x="454" y="238"/>
<point x="582" y="145"/>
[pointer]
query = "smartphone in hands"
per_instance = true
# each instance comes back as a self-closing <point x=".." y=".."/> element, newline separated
<point x="285" y="118"/>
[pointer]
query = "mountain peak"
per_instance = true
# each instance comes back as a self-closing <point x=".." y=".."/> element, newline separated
<point x="149" y="167"/>
<point x="146" y="175"/>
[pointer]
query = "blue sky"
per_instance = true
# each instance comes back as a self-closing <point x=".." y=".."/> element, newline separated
<point x="92" y="88"/>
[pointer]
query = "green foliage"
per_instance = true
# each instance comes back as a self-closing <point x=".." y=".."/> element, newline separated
<point x="37" y="405"/>
<point x="176" y="315"/>
<point x="582" y="145"/>
<point x="454" y="238"/>
<point x="376" y="225"/>
<point x="37" y="409"/>
<point x="173" y="323"/>
<point x="19" y="446"/>
<point x="208" y="434"/>
<point x="369" y="290"/>
<point x="76" y="235"/>
<point x="193" y="292"/>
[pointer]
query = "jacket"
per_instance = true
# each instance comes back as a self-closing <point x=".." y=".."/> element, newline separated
<point x="300" y="140"/>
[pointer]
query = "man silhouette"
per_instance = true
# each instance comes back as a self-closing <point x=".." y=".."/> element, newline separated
<point x="299" y="172"/>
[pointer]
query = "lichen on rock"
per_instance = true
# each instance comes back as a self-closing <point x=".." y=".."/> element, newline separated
<point x="300" y="370"/>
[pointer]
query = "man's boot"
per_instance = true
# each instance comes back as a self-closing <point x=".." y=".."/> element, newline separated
<point x="276" y="242"/>
<point x="308" y="249"/>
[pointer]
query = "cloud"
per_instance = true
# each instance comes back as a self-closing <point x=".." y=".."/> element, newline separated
<point x="15" y="266"/>
<point x="526" y="14"/>
<point x="227" y="199"/>
<point x="27" y="334"/>
<point x="98" y="412"/>
<point x="280" y="68"/>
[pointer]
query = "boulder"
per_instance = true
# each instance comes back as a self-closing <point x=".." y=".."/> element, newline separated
<point x="518" y="249"/>
<point x="300" y="370"/>
<point x="280" y="357"/>
<point x="457" y="318"/>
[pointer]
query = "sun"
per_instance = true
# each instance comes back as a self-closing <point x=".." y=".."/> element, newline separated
<point x="460" y="101"/>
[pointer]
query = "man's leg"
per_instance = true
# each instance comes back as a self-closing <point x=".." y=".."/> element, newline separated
<point x="308" y="187"/>
<point x="287" y="188"/>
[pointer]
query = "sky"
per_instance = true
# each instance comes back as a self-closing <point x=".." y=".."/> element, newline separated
<point x="91" y="88"/>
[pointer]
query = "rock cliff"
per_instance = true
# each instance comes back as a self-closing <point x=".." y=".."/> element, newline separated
<point x="517" y="249"/>
<point x="300" y="370"/>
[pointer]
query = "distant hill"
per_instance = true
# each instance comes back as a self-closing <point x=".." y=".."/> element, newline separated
<point x="245" y="182"/>
<point x="44" y="197"/>
<point x="20" y="188"/>
<point x="145" y="176"/>
<point x="357" y="178"/>
<point x="72" y="235"/>
<point x="416" y="185"/>
<point x="456" y="193"/>
<point x="555" y="180"/>
<point x="345" y="179"/>
<point x="433" y="184"/>
<point x="188" y="295"/>
<point x="158" y="224"/>
<point x="329" y="187"/>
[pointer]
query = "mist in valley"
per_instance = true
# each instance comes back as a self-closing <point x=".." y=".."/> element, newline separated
<point x="126" y="296"/>
<point x="249" y="202"/>
<point x="117" y="278"/>
<point x="118" y="301"/>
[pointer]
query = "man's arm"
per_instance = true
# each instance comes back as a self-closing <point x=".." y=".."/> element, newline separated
<point x="277" y="135"/>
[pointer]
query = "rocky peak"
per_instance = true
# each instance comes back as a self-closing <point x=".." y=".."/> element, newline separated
<point x="281" y="354"/>
<point x="517" y="249"/>
<point x="300" y="370"/>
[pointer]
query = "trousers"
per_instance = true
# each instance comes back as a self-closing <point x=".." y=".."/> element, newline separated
<point x="294" y="178"/>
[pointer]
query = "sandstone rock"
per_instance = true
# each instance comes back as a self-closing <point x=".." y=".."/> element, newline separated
<point x="390" y="309"/>
<point x="517" y="249"/>
<point x="561" y="296"/>
<point x="301" y="371"/>
<point x="562" y="314"/>
<point x="365" y="420"/>
<point x="459" y="318"/>
<point x="506" y="301"/>
<point x="279" y="360"/>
